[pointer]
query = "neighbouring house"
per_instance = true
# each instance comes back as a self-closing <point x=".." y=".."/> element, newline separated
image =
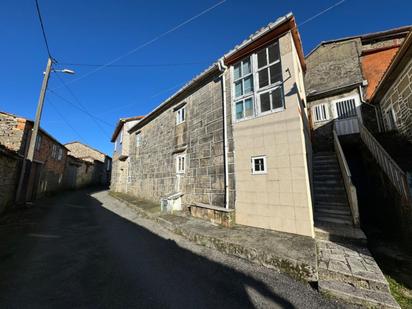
<point x="234" y="143"/>
<point x="87" y="166"/>
<point x="49" y="156"/>
<point x="341" y="76"/>
<point x="393" y="94"/>
<point x="121" y="161"/>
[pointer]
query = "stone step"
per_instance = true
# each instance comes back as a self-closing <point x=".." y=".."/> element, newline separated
<point x="333" y="182"/>
<point x="333" y="211"/>
<point x="333" y="219"/>
<point x="328" y="177"/>
<point x="326" y="171"/>
<point x="321" y="161"/>
<point x="330" y="188"/>
<point x="358" y="296"/>
<point x="322" y="196"/>
<point x="324" y="167"/>
<point x="332" y="204"/>
<point x="339" y="233"/>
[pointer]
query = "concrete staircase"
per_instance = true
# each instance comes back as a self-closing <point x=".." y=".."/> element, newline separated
<point x="346" y="269"/>
<point x="331" y="202"/>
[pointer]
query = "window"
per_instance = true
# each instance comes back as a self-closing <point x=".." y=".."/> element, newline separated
<point x="54" y="151"/>
<point x="259" y="165"/>
<point x="181" y="115"/>
<point x="319" y="112"/>
<point x="180" y="164"/>
<point x="121" y="137"/>
<point x="138" y="139"/>
<point x="346" y="109"/>
<point x="390" y="119"/>
<point x="269" y="68"/>
<point x="60" y="154"/>
<point x="271" y="100"/>
<point x="38" y="142"/>
<point x="243" y="78"/>
<point x="257" y="83"/>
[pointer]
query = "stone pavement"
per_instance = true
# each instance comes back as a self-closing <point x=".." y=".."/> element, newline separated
<point x="293" y="254"/>
<point x="350" y="272"/>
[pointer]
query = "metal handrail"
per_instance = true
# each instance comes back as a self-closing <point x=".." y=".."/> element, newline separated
<point x="395" y="174"/>
<point x="347" y="179"/>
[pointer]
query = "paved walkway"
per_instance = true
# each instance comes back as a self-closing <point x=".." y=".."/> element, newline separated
<point x="350" y="272"/>
<point x="88" y="250"/>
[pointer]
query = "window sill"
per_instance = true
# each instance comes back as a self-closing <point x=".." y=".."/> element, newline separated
<point x="279" y="110"/>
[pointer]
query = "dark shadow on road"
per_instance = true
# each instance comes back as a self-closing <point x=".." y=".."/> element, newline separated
<point x="69" y="251"/>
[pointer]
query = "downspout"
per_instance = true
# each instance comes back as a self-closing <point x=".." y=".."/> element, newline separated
<point x="223" y="68"/>
<point x="376" y="110"/>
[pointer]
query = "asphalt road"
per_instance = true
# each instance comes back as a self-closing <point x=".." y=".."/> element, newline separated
<point x="78" y="250"/>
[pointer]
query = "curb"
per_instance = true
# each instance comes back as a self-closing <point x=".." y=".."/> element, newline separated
<point x="295" y="269"/>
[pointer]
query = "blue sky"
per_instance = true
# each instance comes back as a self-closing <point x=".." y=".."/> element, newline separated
<point x="98" y="31"/>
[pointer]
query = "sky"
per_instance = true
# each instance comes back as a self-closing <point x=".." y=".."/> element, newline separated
<point x="158" y="57"/>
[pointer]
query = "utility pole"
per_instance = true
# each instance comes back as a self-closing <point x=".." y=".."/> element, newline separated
<point x="36" y="125"/>
<point x="29" y="155"/>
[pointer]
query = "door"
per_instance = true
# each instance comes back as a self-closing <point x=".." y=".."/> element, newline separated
<point x="346" y="115"/>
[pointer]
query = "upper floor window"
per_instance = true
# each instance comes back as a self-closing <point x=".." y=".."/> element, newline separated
<point x="60" y="153"/>
<point x="259" y="165"/>
<point x="138" y="139"/>
<point x="243" y="78"/>
<point x="257" y="83"/>
<point x="390" y="118"/>
<point x="121" y="136"/>
<point x="181" y="115"/>
<point x="319" y="112"/>
<point x="38" y="142"/>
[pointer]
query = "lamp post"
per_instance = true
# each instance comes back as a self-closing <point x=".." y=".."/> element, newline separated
<point x="29" y="154"/>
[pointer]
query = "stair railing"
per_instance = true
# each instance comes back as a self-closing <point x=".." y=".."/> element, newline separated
<point x="395" y="174"/>
<point x="347" y="179"/>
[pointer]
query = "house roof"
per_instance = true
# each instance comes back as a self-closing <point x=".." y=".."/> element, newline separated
<point x="399" y="62"/>
<point x="120" y="124"/>
<point x="40" y="129"/>
<point x="251" y="44"/>
<point x="77" y="142"/>
<point x="368" y="37"/>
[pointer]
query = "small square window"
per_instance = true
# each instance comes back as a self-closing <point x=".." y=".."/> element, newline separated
<point x="259" y="165"/>
<point x="181" y="115"/>
<point x="319" y="112"/>
<point x="38" y="143"/>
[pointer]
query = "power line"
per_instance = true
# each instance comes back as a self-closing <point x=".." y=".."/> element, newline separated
<point x="321" y="13"/>
<point x="43" y="31"/>
<point x="65" y="120"/>
<point x="158" y="37"/>
<point x="134" y="65"/>
<point x="80" y="109"/>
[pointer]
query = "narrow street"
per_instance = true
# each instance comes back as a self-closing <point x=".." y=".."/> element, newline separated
<point x="73" y="250"/>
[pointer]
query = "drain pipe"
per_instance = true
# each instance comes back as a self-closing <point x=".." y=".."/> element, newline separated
<point x="223" y="68"/>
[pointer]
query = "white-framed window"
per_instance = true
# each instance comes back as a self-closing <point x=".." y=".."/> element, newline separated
<point x="346" y="108"/>
<point x="390" y="118"/>
<point x="138" y="139"/>
<point x="38" y="142"/>
<point x="258" y="84"/>
<point x="259" y="165"/>
<point x="180" y="164"/>
<point x="121" y="136"/>
<point x="60" y="154"/>
<point x="181" y="115"/>
<point x="320" y="112"/>
<point x="54" y="151"/>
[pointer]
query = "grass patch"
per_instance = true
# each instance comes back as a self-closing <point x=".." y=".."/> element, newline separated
<point x="401" y="294"/>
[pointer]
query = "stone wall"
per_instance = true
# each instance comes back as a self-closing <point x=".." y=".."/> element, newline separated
<point x="152" y="165"/>
<point x="399" y="96"/>
<point x="9" y="175"/>
<point x="12" y="132"/>
<point x="81" y="173"/>
<point x="333" y="66"/>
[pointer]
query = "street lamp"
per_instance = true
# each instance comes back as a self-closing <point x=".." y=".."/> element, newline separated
<point x="29" y="155"/>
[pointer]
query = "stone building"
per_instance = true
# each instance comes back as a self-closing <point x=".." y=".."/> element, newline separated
<point x="342" y="75"/>
<point x="121" y="139"/>
<point x="233" y="143"/>
<point x="49" y="156"/>
<point x="394" y="92"/>
<point x="87" y="166"/>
